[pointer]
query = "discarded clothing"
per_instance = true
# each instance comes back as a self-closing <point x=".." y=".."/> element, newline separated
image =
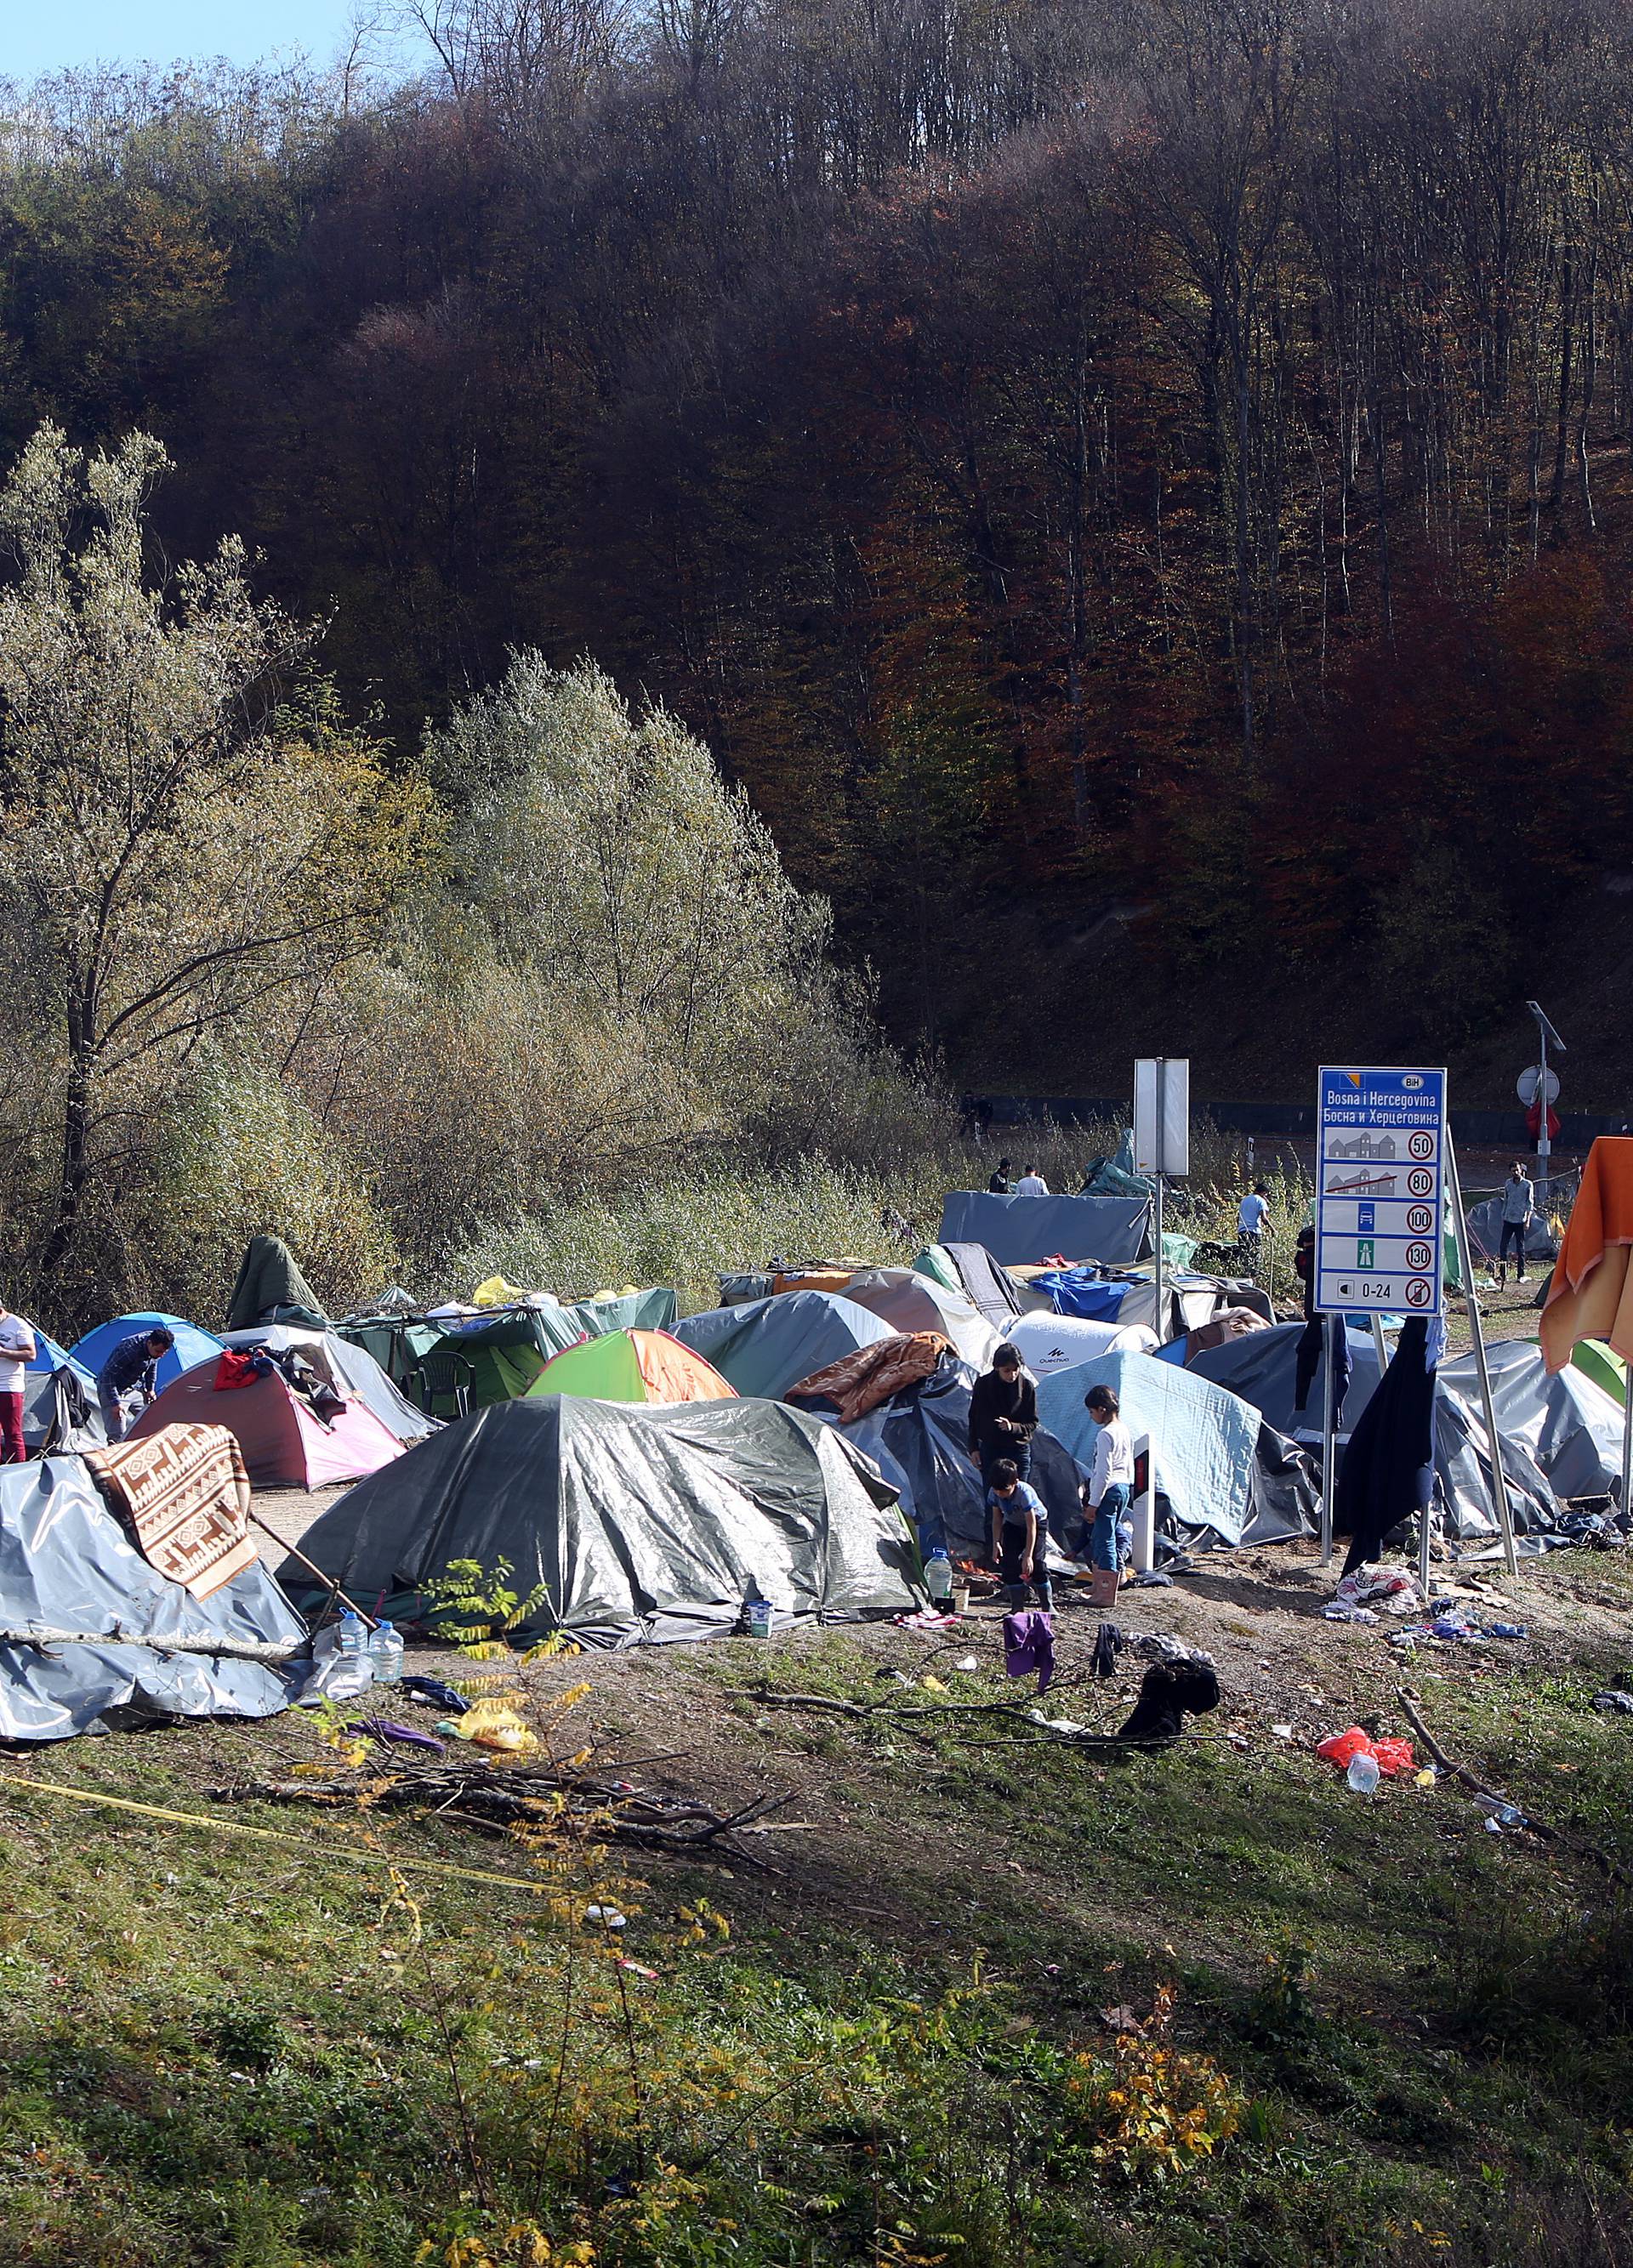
<point x="859" y="1383"/>
<point x="1171" y="1692"/>
<point x="1617" y="1704"/>
<point x="1029" y="1645"/>
<point x="1108" y="1643"/>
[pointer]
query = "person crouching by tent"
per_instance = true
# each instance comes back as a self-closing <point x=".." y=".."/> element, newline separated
<point x="17" y="1352"/>
<point x="1108" y="1492"/>
<point x="1020" y="1535"/>
<point x="1003" y="1413"/>
<point x="125" y="1383"/>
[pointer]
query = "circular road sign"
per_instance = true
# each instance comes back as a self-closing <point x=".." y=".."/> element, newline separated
<point x="1419" y="1292"/>
<point x="1420" y="1181"/>
<point x="1526" y="1086"/>
<point x="1420" y="1255"/>
<point x="1420" y="1220"/>
<point x="1420" y="1146"/>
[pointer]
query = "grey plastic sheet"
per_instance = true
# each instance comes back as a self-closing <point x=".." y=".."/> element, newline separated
<point x="66" y="1563"/>
<point x="766" y="1346"/>
<point x="1021" y="1231"/>
<point x="642" y="1523"/>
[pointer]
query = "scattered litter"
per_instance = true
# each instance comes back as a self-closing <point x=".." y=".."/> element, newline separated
<point x="1392" y="1588"/>
<point x="1056" y="1724"/>
<point x="1423" y="1780"/>
<point x="405" y="1736"/>
<point x="1156" y="1646"/>
<point x="1507" y="1630"/>
<point x="932" y="1685"/>
<point x="1364" y="1773"/>
<point x="1152" y="1581"/>
<point x="495" y="1724"/>
<point x="969" y="1662"/>
<point x="434" y="1693"/>
<point x="1342" y="1611"/>
<point x="926" y="1619"/>
<point x="1282" y="1732"/>
<point x="609" y="1917"/>
<point x="1390" y="1755"/>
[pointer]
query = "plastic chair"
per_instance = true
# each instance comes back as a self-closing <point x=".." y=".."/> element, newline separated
<point x="443" y="1376"/>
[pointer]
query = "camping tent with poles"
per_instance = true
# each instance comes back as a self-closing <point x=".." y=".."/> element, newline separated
<point x="632" y="1367"/>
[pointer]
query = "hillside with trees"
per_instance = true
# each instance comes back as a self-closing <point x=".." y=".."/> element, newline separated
<point x="1122" y="489"/>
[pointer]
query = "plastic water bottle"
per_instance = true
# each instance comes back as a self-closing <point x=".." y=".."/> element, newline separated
<point x="352" y="1645"/>
<point x="385" y="1651"/>
<point x="1363" y="1774"/>
<point x="938" y="1576"/>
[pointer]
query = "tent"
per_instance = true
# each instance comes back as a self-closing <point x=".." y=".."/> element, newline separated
<point x="350" y="1370"/>
<point x="1604" y="1365"/>
<point x="643" y="1525"/>
<point x="1016" y="1229"/>
<point x="1052" y="1343"/>
<point x="632" y="1367"/>
<point x="192" y="1345"/>
<point x="770" y="1345"/>
<point x="910" y="1302"/>
<point x="270" y="1289"/>
<point x="495" y="1355"/>
<point x="972" y="1270"/>
<point x="285" y="1443"/>
<point x="917" y="1439"/>
<point x="66" y="1563"/>
<point x="1228" y="1477"/>
<point x="60" y="1408"/>
<point x="1261" y="1369"/>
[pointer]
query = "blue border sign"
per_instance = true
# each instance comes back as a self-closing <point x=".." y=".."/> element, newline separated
<point x="1380" y="1176"/>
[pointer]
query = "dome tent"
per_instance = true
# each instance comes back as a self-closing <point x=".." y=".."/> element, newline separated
<point x="766" y="1346"/>
<point x="286" y="1443"/>
<point x="642" y="1525"/>
<point x="350" y="1370"/>
<point x="632" y="1367"/>
<point x="192" y="1344"/>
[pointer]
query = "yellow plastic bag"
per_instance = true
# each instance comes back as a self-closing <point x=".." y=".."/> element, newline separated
<point x="496" y="1293"/>
<point x="495" y="1724"/>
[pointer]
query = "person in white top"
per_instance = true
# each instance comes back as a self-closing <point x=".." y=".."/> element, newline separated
<point x="1032" y="1184"/>
<point x="1250" y="1224"/>
<point x="17" y="1352"/>
<point x="1108" y="1492"/>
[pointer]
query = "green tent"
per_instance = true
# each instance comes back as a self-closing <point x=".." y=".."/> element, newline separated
<point x="496" y="1358"/>
<point x="1603" y="1365"/>
<point x="934" y="1262"/>
<point x="632" y="1367"/>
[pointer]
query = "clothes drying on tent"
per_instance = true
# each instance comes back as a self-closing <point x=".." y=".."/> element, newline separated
<point x="349" y="1369"/>
<point x="768" y="1345"/>
<point x="270" y="1289"/>
<point x="632" y="1367"/>
<point x="66" y="1563"/>
<point x="1387" y="1476"/>
<point x="642" y="1525"/>
<point x="60" y="1409"/>
<point x="908" y="1302"/>
<point x="1591" y="1296"/>
<point x="1223" y="1480"/>
<point x="192" y="1345"/>
<point x="1052" y="1343"/>
<point x="859" y="1383"/>
<point x="972" y="1270"/>
<point x="1030" y="1229"/>
<point x="285" y="1443"/>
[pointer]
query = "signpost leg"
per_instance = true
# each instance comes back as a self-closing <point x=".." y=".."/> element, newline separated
<point x="1328" y="1431"/>
<point x="1145" y="1510"/>
<point x="1160" y="1323"/>
<point x="1476" y="1329"/>
<point x="1627" y="1434"/>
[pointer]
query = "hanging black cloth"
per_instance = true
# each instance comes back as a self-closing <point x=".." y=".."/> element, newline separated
<point x="1388" y="1470"/>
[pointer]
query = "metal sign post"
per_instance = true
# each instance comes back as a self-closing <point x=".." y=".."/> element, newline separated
<point x="1476" y="1329"/>
<point x="1627" y="1434"/>
<point x="1328" y="1436"/>
<point x="1162" y="1137"/>
<point x="1545" y="1147"/>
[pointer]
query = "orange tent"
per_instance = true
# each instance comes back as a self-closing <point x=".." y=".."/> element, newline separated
<point x="632" y="1367"/>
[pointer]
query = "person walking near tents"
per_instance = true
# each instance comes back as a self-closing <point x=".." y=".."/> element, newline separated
<point x="1519" y="1210"/>
<point x="1249" y="1226"/>
<point x="1108" y="1492"/>
<point x="1000" y="1185"/>
<point x="1020" y="1535"/>
<point x="17" y="1352"/>
<point x="1003" y="1413"/>
<point x="1032" y="1184"/>
<point x="127" y="1377"/>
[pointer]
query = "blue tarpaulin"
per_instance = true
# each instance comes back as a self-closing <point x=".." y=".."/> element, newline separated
<point x="1080" y="1292"/>
<point x="1204" y="1441"/>
<point x="1021" y="1231"/>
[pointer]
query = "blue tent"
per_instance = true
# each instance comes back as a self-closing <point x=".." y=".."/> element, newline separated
<point x="1204" y="1441"/>
<point x="192" y="1345"/>
<point x="768" y="1345"/>
<point x="48" y="1356"/>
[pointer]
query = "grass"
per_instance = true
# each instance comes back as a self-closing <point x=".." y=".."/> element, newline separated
<point x="244" y="2056"/>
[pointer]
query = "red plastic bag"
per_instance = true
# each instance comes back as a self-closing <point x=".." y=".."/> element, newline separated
<point x="1393" y="1755"/>
<point x="1340" y="1748"/>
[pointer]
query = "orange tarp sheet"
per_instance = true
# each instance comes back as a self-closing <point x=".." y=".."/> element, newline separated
<point x="1591" y="1297"/>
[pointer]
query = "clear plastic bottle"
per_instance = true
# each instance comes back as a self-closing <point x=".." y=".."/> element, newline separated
<point x="353" y="1644"/>
<point x="938" y="1578"/>
<point x="1363" y="1774"/>
<point x="385" y="1651"/>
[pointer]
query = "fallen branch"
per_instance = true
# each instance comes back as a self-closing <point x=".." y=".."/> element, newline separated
<point x="236" y="1649"/>
<point x="1476" y="1786"/>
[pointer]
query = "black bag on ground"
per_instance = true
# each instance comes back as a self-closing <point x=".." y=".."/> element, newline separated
<point x="1171" y="1692"/>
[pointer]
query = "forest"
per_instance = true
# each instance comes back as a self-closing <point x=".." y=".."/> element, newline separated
<point x="1163" y="464"/>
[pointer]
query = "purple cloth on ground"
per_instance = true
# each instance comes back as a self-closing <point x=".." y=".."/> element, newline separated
<point x="1029" y="1645"/>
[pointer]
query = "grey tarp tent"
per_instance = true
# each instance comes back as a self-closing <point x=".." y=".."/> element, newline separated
<point x="768" y="1345"/>
<point x="1021" y="1231"/>
<point x="643" y="1523"/>
<point x="66" y="1563"/>
<point x="271" y="1288"/>
<point x="1261" y="1369"/>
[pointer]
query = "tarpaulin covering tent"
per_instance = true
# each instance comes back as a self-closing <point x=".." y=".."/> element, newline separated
<point x="350" y="1370"/>
<point x="632" y="1367"/>
<point x="909" y="1302"/>
<point x="768" y="1345"/>
<point x="643" y="1525"/>
<point x="972" y="1270"/>
<point x="918" y="1440"/>
<point x="66" y="1563"/>
<point x="1226" y="1475"/>
<point x="1052" y="1343"/>
<point x="1029" y="1229"/>
<point x="1261" y="1369"/>
<point x="270" y="1289"/>
<point x="285" y="1443"/>
<point x="192" y="1344"/>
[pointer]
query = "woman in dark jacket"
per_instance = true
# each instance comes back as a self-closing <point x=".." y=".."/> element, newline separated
<point x="1003" y="1413"/>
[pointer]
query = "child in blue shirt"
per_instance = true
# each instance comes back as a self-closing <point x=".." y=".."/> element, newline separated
<point x="1020" y="1535"/>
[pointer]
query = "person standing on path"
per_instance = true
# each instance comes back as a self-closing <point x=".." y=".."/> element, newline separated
<point x="1249" y="1226"/>
<point x="1520" y="1205"/>
<point x="18" y="1348"/>
<point x="1003" y="1413"/>
<point x="1108" y="1492"/>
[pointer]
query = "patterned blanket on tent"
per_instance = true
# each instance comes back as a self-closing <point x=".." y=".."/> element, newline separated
<point x="185" y="1493"/>
<point x="860" y="1382"/>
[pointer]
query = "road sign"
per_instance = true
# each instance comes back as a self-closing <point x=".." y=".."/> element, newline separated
<point x="1380" y="1159"/>
<point x="1526" y="1086"/>
<point x="1162" y="1115"/>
